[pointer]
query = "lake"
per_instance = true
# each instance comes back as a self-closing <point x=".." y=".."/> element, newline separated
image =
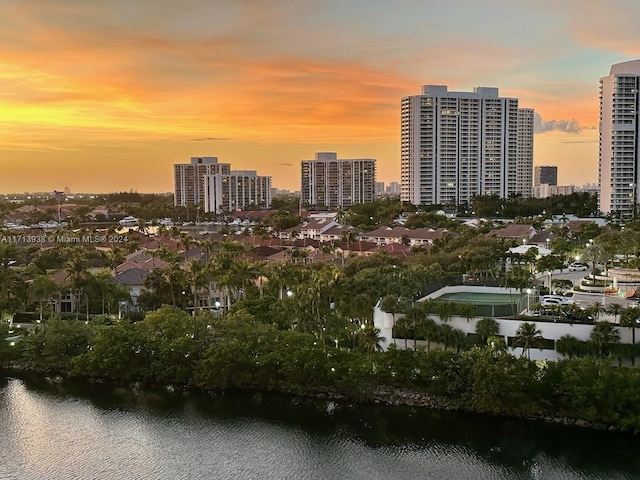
<point x="53" y="429"/>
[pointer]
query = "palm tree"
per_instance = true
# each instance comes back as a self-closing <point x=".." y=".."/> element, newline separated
<point x="9" y="254"/>
<point x="518" y="278"/>
<point x="404" y="326"/>
<point x="412" y="320"/>
<point x="466" y="310"/>
<point x="445" y="310"/>
<point x="428" y="329"/>
<point x="370" y="339"/>
<point x="42" y="288"/>
<point x="595" y="310"/>
<point x="392" y="305"/>
<point x="115" y="256"/>
<point x="603" y="335"/>
<point x="319" y="285"/>
<point x="528" y="335"/>
<point x="446" y="334"/>
<point x="76" y="269"/>
<point x="209" y="245"/>
<point x="459" y="339"/>
<point x="173" y="275"/>
<point x="595" y="254"/>
<point x="241" y="274"/>
<point x="487" y="327"/>
<point x="103" y="282"/>
<point x="186" y="240"/>
<point x="568" y="345"/>
<point x="198" y="278"/>
<point x="614" y="309"/>
<point x="280" y="275"/>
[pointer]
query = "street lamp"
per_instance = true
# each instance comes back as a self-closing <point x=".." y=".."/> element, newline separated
<point x="528" y="300"/>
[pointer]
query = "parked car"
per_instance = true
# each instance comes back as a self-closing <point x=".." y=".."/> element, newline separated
<point x="578" y="267"/>
<point x="556" y="301"/>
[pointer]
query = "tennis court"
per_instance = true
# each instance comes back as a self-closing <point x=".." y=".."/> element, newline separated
<point x="489" y="304"/>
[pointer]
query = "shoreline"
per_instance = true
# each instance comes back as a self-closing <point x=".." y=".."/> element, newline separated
<point x="383" y="395"/>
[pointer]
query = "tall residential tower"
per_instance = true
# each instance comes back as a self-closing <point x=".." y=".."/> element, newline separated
<point x="619" y="157"/>
<point x="455" y="145"/>
<point x="188" y="179"/>
<point x="217" y="188"/>
<point x="334" y="183"/>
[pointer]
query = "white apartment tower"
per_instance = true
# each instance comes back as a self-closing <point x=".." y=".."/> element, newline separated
<point x="334" y="183"/>
<point x="188" y="179"/>
<point x="238" y="189"/>
<point x="217" y="188"/>
<point x="455" y="145"/>
<point x="619" y="156"/>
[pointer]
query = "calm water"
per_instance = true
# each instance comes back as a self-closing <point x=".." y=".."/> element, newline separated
<point x="53" y="430"/>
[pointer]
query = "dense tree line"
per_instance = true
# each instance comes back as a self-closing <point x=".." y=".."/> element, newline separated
<point x="239" y="351"/>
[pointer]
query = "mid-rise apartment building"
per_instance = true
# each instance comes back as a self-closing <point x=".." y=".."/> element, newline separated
<point x="545" y="190"/>
<point x="214" y="186"/>
<point x="455" y="145"/>
<point x="330" y="182"/>
<point x="238" y="189"/>
<point x="189" y="179"/>
<point x="619" y="157"/>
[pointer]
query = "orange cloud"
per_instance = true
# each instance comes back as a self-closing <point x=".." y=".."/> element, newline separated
<point x="113" y="80"/>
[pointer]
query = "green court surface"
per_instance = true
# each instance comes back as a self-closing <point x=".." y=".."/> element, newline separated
<point x="489" y="304"/>
<point x="481" y="298"/>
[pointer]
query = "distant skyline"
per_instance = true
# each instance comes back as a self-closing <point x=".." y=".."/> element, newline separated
<point x="104" y="96"/>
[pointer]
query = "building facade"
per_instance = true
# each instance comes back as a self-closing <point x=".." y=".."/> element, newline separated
<point x="330" y="182"/>
<point x="545" y="190"/>
<point x="618" y="159"/>
<point x="188" y="179"/>
<point x="236" y="190"/>
<point x="545" y="174"/>
<point x="455" y="145"/>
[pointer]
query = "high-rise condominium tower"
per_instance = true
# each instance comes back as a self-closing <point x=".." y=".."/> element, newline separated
<point x="188" y="179"/>
<point x="455" y="145"/>
<point x="619" y="155"/>
<point x="330" y="182"/>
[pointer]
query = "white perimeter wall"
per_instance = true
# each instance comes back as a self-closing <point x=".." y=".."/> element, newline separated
<point x="550" y="330"/>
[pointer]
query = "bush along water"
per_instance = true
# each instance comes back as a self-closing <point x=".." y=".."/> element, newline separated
<point x="171" y="347"/>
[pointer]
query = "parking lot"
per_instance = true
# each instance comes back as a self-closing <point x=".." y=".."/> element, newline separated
<point x="585" y="299"/>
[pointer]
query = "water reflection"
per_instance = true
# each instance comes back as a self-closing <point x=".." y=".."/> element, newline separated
<point x="93" y="430"/>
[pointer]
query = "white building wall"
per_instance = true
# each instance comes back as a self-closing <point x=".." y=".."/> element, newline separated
<point x="508" y="328"/>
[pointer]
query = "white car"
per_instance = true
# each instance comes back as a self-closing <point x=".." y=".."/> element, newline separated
<point x="548" y="300"/>
<point x="578" y="267"/>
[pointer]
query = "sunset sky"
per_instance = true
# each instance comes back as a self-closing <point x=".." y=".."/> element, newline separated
<point x="107" y="95"/>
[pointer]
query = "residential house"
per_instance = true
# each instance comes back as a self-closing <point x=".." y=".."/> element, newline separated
<point x="515" y="232"/>
<point x="313" y="228"/>
<point x="417" y="237"/>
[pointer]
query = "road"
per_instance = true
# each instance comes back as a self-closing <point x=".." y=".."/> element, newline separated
<point x="582" y="298"/>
